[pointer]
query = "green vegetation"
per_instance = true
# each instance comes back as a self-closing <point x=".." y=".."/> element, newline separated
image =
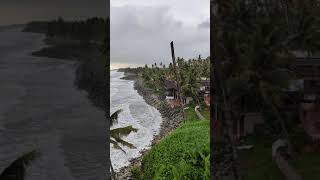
<point x="188" y="77"/>
<point x="253" y="45"/>
<point x="205" y="111"/>
<point x="17" y="169"/>
<point x="90" y="76"/>
<point x="190" y="114"/>
<point x="136" y="172"/>
<point x="183" y="154"/>
<point x="307" y="165"/>
<point x="116" y="135"/>
<point x="257" y="163"/>
<point x="36" y="27"/>
<point x="91" y="29"/>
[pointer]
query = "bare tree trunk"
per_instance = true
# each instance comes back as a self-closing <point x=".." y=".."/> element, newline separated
<point x="176" y="71"/>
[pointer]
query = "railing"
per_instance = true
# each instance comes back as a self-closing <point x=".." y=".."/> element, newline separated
<point x="286" y="169"/>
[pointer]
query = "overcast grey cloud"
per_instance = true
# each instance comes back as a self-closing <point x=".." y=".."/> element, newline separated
<point x="205" y="24"/>
<point x="22" y="11"/>
<point x="141" y="30"/>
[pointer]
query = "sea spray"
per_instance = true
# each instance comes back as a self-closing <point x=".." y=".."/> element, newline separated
<point x="136" y="112"/>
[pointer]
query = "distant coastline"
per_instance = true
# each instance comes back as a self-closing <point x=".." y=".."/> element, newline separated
<point x="90" y="72"/>
<point x="64" y="46"/>
<point x="12" y="26"/>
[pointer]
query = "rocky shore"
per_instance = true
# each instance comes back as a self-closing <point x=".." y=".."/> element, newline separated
<point x="171" y="119"/>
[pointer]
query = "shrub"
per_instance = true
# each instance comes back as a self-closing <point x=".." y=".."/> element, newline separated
<point x="136" y="173"/>
<point x="183" y="154"/>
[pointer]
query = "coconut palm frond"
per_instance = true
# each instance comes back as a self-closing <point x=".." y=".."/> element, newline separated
<point x="29" y="157"/>
<point x="117" y="133"/>
<point x="17" y="169"/>
<point x="114" y="117"/>
<point x="123" y="131"/>
<point x="116" y="145"/>
<point x="124" y="143"/>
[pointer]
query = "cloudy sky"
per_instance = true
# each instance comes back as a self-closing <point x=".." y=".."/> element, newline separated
<point x="141" y="30"/>
<point x="22" y="11"/>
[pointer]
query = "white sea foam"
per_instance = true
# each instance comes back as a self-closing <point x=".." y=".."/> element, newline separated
<point x="136" y="112"/>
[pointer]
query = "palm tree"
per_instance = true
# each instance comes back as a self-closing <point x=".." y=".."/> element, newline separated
<point x="17" y="169"/>
<point x="117" y="134"/>
<point x="250" y="53"/>
<point x="262" y="73"/>
<point x="189" y="81"/>
<point x="219" y="12"/>
<point x="307" y="22"/>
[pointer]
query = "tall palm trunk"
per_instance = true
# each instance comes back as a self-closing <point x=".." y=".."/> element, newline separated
<point x="229" y="123"/>
<point x="285" y="6"/>
<point x="220" y="93"/>
<point x="176" y="73"/>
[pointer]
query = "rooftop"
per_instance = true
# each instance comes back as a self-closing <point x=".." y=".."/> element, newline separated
<point x="302" y="58"/>
<point x="170" y="84"/>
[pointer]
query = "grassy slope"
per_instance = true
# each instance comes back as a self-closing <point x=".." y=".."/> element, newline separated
<point x="157" y="164"/>
<point x="258" y="164"/>
<point x="307" y="165"/>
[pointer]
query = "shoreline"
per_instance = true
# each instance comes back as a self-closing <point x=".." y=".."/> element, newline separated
<point x="171" y="120"/>
<point x="68" y="50"/>
<point x="89" y="73"/>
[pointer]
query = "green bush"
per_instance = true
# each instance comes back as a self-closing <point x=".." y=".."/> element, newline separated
<point x="183" y="154"/>
<point x="136" y="173"/>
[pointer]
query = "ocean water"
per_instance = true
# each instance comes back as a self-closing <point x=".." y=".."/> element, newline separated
<point x="136" y="112"/>
<point x="41" y="110"/>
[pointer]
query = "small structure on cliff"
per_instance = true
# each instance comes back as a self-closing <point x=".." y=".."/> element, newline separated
<point x="248" y="123"/>
<point x="204" y="85"/>
<point x="171" y="89"/>
<point x="205" y="90"/>
<point x="171" y="92"/>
